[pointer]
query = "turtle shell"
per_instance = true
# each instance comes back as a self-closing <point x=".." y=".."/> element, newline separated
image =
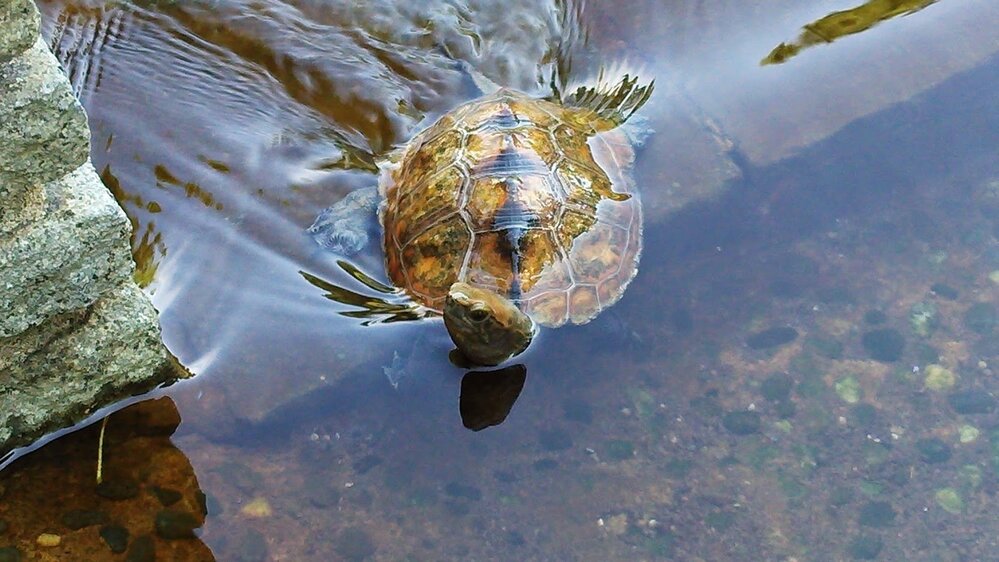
<point x="520" y="196"/>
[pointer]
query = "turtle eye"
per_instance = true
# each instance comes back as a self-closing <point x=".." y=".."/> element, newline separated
<point x="478" y="314"/>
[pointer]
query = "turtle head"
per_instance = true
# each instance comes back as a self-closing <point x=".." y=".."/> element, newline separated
<point x="487" y="328"/>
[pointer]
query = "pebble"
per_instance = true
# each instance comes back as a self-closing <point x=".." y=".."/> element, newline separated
<point x="950" y="500"/>
<point x="777" y="387"/>
<point x="115" y="537"/>
<point x="848" y="389"/>
<point x="875" y="317"/>
<point x="876" y="514"/>
<point x="981" y="318"/>
<point x="166" y="496"/>
<point x="939" y="378"/>
<point x="885" y="345"/>
<point x="971" y="402"/>
<point x="971" y="475"/>
<point x="865" y="548"/>
<point x="933" y="450"/>
<point x="172" y="524"/>
<point x="772" y="337"/>
<point x="354" y="544"/>
<point x="48" y="540"/>
<point x="257" y="508"/>
<point x="945" y="291"/>
<point x="143" y="549"/>
<point x="742" y="422"/>
<point x="968" y="433"/>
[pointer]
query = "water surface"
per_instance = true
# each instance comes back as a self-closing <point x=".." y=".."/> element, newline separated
<point x="804" y="367"/>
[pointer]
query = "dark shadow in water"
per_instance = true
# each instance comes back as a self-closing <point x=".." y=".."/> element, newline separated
<point x="840" y="24"/>
<point x="148" y="499"/>
<point x="488" y="396"/>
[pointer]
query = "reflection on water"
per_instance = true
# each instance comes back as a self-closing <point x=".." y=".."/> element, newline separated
<point x="811" y="337"/>
<point x="846" y="22"/>
<point x="148" y="504"/>
<point x="488" y="396"/>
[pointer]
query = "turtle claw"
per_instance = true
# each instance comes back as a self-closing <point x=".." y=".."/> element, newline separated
<point x="341" y="236"/>
<point x="344" y="227"/>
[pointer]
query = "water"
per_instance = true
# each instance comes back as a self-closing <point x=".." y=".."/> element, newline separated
<point x="802" y="369"/>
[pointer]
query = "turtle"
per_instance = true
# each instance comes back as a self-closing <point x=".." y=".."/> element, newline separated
<point x="509" y="212"/>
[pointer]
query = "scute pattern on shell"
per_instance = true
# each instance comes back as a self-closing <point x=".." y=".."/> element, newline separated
<point x="520" y="196"/>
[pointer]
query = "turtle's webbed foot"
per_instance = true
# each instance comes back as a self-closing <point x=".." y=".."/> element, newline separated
<point x="342" y="235"/>
<point x="345" y="227"/>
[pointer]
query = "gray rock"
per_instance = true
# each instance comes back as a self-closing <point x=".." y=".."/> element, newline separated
<point x="66" y="261"/>
<point x="56" y="373"/>
<point x="43" y="130"/>
<point x="76" y="333"/>
<point x="19" y="23"/>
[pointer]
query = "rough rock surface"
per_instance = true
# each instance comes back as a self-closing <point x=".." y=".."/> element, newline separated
<point x="76" y="333"/>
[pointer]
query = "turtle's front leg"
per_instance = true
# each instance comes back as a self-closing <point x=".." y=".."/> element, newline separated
<point x="346" y="227"/>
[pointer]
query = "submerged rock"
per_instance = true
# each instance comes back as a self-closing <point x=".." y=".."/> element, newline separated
<point x="876" y="514"/>
<point x="354" y="544"/>
<point x="848" y="389"/>
<point x="772" y="337"/>
<point x="939" y="378"/>
<point x="950" y="500"/>
<point x="742" y="422"/>
<point x="143" y="549"/>
<point x="865" y="547"/>
<point x="777" y="387"/>
<point x="884" y="345"/>
<point x="172" y="524"/>
<point x="116" y="537"/>
<point x="875" y="317"/>
<point x="971" y="402"/>
<point x="933" y="450"/>
<point x="923" y="318"/>
<point x="944" y="291"/>
<point x="981" y="318"/>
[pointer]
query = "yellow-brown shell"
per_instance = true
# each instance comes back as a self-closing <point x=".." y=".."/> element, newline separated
<point x="520" y="196"/>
